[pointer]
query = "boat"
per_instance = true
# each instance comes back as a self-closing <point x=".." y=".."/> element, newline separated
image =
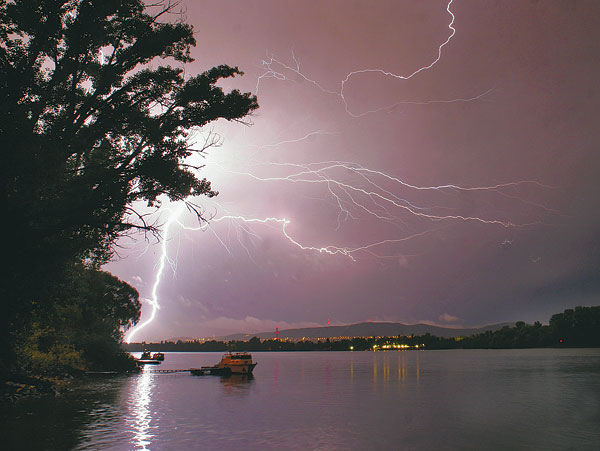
<point x="158" y="356"/>
<point x="231" y="363"/>
<point x="147" y="359"/>
<point x="238" y="363"/>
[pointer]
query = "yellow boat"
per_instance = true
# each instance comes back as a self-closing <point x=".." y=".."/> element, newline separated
<point x="231" y="363"/>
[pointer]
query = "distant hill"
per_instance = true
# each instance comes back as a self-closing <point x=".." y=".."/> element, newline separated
<point x="367" y="329"/>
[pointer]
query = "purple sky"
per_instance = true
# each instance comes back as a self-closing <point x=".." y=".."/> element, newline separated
<point x="531" y="69"/>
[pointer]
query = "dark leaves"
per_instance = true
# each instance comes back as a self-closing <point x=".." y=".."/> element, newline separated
<point x="88" y="127"/>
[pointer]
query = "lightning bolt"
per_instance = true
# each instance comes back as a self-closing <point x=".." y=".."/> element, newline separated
<point x="162" y="262"/>
<point x="397" y="76"/>
<point x="355" y="190"/>
<point x="275" y="68"/>
<point x="382" y="201"/>
<point x="317" y="173"/>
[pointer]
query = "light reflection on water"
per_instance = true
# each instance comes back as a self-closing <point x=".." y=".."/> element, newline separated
<point x="141" y="416"/>
<point x="392" y="368"/>
<point x="519" y="399"/>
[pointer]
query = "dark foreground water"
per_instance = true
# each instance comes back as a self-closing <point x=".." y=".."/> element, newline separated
<point x="459" y="399"/>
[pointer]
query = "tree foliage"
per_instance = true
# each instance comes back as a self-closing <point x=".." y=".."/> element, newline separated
<point x="577" y="327"/>
<point x="96" y="114"/>
<point x="82" y="326"/>
<point x="88" y="314"/>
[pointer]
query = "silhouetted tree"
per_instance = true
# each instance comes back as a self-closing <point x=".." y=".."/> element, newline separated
<point x="83" y="325"/>
<point x="577" y="327"/>
<point x="93" y="119"/>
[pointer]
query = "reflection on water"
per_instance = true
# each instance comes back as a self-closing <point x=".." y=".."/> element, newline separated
<point x="275" y="371"/>
<point x="374" y="371"/>
<point x="141" y="415"/>
<point x="391" y="367"/>
<point x="475" y="399"/>
<point x="407" y="364"/>
<point x="236" y="384"/>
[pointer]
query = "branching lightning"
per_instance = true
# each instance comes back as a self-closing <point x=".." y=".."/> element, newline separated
<point x="162" y="262"/>
<point x="275" y="68"/>
<point x="379" y="198"/>
<point x="356" y="191"/>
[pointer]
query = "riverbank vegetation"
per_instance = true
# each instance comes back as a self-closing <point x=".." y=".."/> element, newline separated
<point x="95" y="122"/>
<point x="579" y="327"/>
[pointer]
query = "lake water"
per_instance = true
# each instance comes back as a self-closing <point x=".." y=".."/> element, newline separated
<point x="432" y="400"/>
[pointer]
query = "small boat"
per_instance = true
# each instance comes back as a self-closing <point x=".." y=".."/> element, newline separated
<point x="238" y="363"/>
<point x="158" y="356"/>
<point x="147" y="359"/>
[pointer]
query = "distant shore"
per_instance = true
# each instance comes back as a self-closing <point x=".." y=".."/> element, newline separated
<point x="574" y="328"/>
